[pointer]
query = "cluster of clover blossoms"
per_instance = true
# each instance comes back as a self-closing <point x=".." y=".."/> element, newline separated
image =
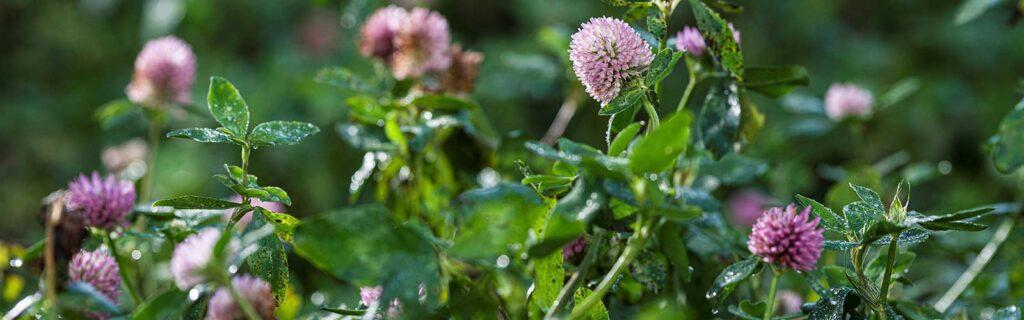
<point x="416" y="43"/>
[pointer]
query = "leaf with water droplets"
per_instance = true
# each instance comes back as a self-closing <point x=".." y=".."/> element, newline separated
<point x="492" y="220"/>
<point x="829" y="219"/>
<point x="206" y="135"/>
<point x="1008" y="313"/>
<point x="720" y="38"/>
<point x="658" y="150"/>
<point x="720" y="119"/>
<point x="195" y="202"/>
<point x="228" y="107"/>
<point x="274" y="133"/>
<point x="571" y="215"/>
<point x="269" y="262"/>
<point x="284" y="224"/>
<point x="835" y="306"/>
<point x="732" y="276"/>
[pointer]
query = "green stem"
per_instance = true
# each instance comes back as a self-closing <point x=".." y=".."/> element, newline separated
<point x="689" y="86"/>
<point x="569" y="290"/>
<point x="121" y="264"/>
<point x="770" y="308"/>
<point x="244" y="304"/>
<point x="633" y="248"/>
<point x="887" y="278"/>
<point x="652" y="113"/>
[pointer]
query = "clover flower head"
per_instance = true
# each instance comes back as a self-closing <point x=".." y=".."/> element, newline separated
<point x="102" y="202"/>
<point x="786" y="238"/>
<point x="847" y="100"/>
<point x="254" y="290"/>
<point x="574" y="248"/>
<point x="378" y="33"/>
<point x="99" y="269"/>
<point x="164" y="72"/>
<point x="190" y="258"/>
<point x="690" y="40"/>
<point x="746" y="207"/>
<point x="461" y="76"/>
<point x="421" y="45"/>
<point x="606" y="53"/>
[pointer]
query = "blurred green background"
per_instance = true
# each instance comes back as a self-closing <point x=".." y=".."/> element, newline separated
<point x="62" y="59"/>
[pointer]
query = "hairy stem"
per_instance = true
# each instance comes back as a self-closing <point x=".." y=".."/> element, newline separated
<point x="977" y="265"/>
<point x="577" y="277"/>
<point x="565" y="114"/>
<point x="243" y="304"/>
<point x="887" y="277"/>
<point x="770" y="308"/>
<point x="689" y="86"/>
<point x="56" y="210"/>
<point x="652" y="113"/>
<point x="121" y="268"/>
<point x="635" y="244"/>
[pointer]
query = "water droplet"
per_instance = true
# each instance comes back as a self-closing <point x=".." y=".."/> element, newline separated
<point x="15" y="263"/>
<point x="136" y="254"/>
<point x="317" y="298"/>
<point x="193" y="294"/>
<point x="232" y="269"/>
<point x="502" y="262"/>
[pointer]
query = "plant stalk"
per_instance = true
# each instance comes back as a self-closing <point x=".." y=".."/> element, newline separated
<point x="689" y="86"/>
<point x="56" y="210"/>
<point x="577" y="277"/>
<point x="631" y="251"/>
<point x="979" y="263"/>
<point x="121" y="264"/>
<point x="652" y="113"/>
<point x="770" y="308"/>
<point x="887" y="278"/>
<point x="564" y="116"/>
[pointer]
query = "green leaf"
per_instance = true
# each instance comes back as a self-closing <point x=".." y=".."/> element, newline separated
<point x="364" y="246"/>
<point x="284" y="224"/>
<point x="206" y="135"/>
<point x="275" y="194"/>
<point x="343" y="78"/>
<point x="364" y="138"/>
<point x="953" y="225"/>
<point x="591" y="160"/>
<point x="671" y="239"/>
<point x="621" y="103"/>
<point x="678" y="214"/>
<point x="476" y="124"/>
<point x="656" y="25"/>
<point x="114" y="112"/>
<point x="269" y="262"/>
<point x="82" y="296"/>
<point x="720" y="119"/>
<point x="1007" y="146"/>
<point x="549" y="278"/>
<point x="443" y="102"/>
<point x="493" y="220"/>
<point x="620" y="121"/>
<point x="830" y="220"/>
<point x="597" y="312"/>
<point x="775" y="81"/>
<point x="914" y="311"/>
<point x="167" y="305"/>
<point x="734" y="169"/>
<point x="972" y="9"/>
<point x="732" y="276"/>
<point x="963" y="214"/>
<point x="571" y="215"/>
<point x="662" y="66"/>
<point x="658" y="150"/>
<point x="623" y="139"/>
<point x="749" y="310"/>
<point x="719" y="37"/>
<point x="870" y="198"/>
<point x="228" y="107"/>
<point x="196" y="202"/>
<point x="836" y="305"/>
<point x="275" y="133"/>
<point x="394" y="132"/>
